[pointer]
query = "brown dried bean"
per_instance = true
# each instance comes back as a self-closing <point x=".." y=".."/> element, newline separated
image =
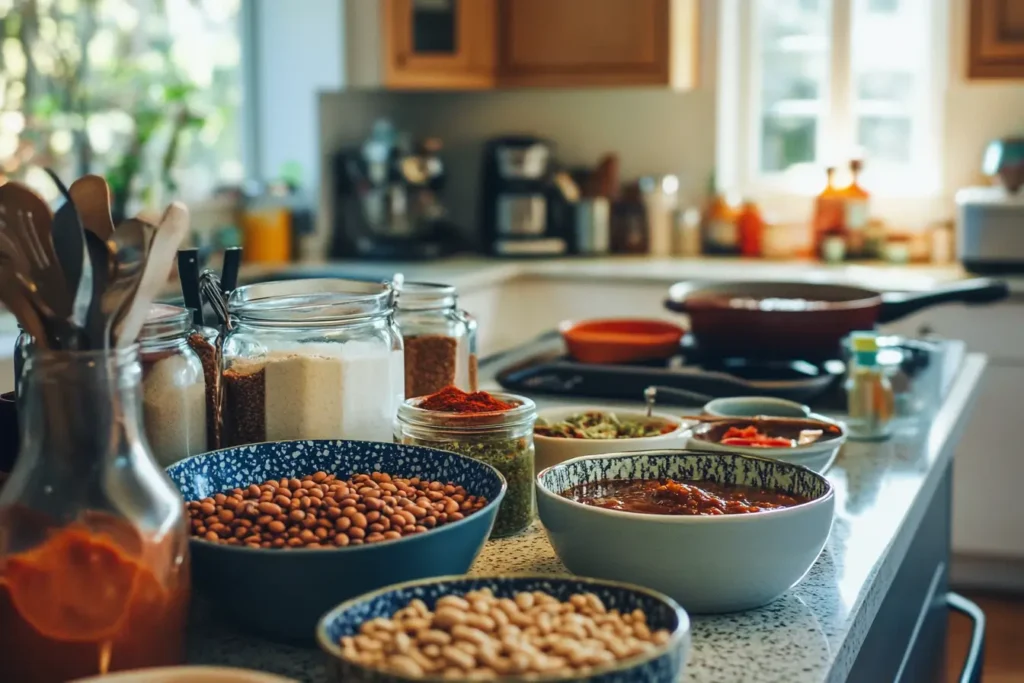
<point x="319" y="510"/>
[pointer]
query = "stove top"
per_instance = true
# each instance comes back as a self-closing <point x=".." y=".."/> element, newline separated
<point x="690" y="379"/>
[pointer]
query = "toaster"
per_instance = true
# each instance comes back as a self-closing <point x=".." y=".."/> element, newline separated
<point x="990" y="230"/>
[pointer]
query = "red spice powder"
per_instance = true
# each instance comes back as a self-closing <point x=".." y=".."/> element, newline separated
<point x="454" y="400"/>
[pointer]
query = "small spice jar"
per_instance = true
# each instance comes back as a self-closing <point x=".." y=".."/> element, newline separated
<point x="439" y="339"/>
<point x="311" y="359"/>
<point x="496" y="429"/>
<point x="174" y="398"/>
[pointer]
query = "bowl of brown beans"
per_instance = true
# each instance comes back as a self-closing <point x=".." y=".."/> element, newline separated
<point x="282" y="531"/>
<point x="522" y="627"/>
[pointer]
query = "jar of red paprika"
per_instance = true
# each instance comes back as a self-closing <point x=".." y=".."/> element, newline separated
<point x="496" y="429"/>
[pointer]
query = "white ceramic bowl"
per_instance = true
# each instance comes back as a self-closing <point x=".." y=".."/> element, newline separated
<point x="753" y="406"/>
<point x="709" y="564"/>
<point x="552" y="450"/>
<point x="818" y="455"/>
<point x="188" y="674"/>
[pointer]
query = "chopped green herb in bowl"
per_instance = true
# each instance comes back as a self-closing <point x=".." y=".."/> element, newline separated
<point x="600" y="425"/>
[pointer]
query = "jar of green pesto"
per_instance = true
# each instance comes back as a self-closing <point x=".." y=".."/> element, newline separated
<point x="501" y="438"/>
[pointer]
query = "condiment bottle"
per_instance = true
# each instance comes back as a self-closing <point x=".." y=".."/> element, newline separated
<point x="751" y="226"/>
<point x="855" y="212"/>
<point x="494" y="428"/>
<point x="94" y="564"/>
<point x="871" y="401"/>
<point x="828" y="209"/>
<point x="721" y="235"/>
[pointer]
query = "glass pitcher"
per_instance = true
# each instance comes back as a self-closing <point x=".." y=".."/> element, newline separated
<point x="94" y="565"/>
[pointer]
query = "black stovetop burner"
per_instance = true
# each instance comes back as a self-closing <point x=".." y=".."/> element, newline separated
<point x="690" y="378"/>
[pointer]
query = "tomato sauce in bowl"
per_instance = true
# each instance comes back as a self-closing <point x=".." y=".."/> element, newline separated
<point x="675" y="497"/>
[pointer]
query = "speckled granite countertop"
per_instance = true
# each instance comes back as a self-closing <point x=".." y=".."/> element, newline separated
<point x="468" y="272"/>
<point x="813" y="633"/>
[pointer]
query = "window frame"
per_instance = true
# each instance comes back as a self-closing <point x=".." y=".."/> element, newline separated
<point x="739" y="112"/>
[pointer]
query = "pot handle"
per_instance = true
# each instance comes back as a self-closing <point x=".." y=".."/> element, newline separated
<point x="971" y="671"/>
<point x="896" y="305"/>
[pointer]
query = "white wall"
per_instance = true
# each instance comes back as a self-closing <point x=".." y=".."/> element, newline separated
<point x="298" y="50"/>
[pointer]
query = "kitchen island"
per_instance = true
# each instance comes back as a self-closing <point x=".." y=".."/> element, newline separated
<point x="871" y="609"/>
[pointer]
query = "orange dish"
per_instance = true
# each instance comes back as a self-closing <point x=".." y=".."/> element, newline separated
<point x="621" y="340"/>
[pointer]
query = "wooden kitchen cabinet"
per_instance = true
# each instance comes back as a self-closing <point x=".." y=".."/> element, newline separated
<point x="569" y="43"/>
<point x="420" y="44"/>
<point x="439" y="43"/>
<point x="996" y="43"/>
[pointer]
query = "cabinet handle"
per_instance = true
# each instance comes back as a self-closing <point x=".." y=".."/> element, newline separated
<point x="971" y="671"/>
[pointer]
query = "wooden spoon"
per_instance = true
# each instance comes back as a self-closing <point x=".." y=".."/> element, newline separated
<point x="27" y="219"/>
<point x="92" y="199"/>
<point x="159" y="261"/>
<point x="128" y="248"/>
<point x="73" y="255"/>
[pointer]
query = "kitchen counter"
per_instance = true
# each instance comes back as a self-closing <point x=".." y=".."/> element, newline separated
<point x="470" y="272"/>
<point x="865" y="590"/>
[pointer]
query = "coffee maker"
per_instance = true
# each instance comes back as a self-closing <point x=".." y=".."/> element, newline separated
<point x="524" y="212"/>
<point x="387" y="199"/>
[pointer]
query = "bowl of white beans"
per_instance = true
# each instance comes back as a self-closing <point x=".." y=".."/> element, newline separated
<point x="543" y="628"/>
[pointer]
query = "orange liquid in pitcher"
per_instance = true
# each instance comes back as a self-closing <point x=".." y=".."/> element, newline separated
<point x="78" y="605"/>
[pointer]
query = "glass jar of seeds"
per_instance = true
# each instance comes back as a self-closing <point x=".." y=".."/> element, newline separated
<point x="174" y="397"/>
<point x="496" y="429"/>
<point x="439" y="339"/>
<point x="311" y="359"/>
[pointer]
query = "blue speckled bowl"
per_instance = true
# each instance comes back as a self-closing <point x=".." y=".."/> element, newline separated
<point x="281" y="593"/>
<point x="663" y="665"/>
<point x="709" y="564"/>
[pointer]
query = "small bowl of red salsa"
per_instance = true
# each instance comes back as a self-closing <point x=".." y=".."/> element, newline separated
<point x="719" y="532"/>
<point x="811" y="442"/>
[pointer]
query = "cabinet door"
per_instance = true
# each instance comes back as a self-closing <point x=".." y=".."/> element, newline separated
<point x="996" y="39"/>
<point x="439" y="44"/>
<point x="988" y="469"/>
<point x="573" y="43"/>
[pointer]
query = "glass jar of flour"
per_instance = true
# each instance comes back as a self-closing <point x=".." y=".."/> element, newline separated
<point x="311" y="359"/>
<point x="439" y="339"/>
<point x="173" y="386"/>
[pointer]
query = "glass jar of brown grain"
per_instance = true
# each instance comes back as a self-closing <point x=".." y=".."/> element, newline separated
<point x="439" y="339"/>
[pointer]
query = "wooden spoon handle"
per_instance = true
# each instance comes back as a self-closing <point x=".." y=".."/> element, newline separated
<point x="159" y="261"/>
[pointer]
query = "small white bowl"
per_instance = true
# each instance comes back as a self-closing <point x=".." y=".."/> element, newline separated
<point x="188" y="674"/>
<point x="818" y="455"/>
<point x="754" y="406"/>
<point x="552" y="450"/>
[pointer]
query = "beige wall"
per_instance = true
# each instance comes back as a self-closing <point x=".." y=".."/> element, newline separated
<point x="976" y="111"/>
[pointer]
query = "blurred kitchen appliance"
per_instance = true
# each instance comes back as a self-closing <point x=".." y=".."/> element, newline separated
<point x="592" y="226"/>
<point x="387" y="199"/>
<point x="526" y="200"/>
<point x="990" y="230"/>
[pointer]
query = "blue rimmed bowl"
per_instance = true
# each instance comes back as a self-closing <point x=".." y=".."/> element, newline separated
<point x="664" y="664"/>
<point x="710" y="564"/>
<point x="281" y="593"/>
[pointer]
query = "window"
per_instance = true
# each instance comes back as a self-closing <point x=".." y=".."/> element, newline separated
<point x="146" y="92"/>
<point x="806" y="84"/>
